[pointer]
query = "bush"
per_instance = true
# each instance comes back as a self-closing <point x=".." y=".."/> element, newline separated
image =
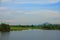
<point x="4" y="27"/>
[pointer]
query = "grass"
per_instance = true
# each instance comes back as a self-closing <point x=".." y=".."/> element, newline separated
<point x="23" y="28"/>
<point x="27" y="28"/>
<point x="19" y="28"/>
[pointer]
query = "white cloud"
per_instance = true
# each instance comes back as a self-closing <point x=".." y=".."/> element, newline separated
<point x="24" y="17"/>
<point x="37" y="1"/>
<point x="4" y="11"/>
<point x="8" y="11"/>
<point x="31" y="1"/>
<point x="6" y="0"/>
<point x="46" y="13"/>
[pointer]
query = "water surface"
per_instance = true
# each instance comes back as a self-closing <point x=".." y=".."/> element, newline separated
<point x="31" y="35"/>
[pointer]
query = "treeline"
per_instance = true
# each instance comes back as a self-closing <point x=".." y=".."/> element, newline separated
<point x="42" y="26"/>
<point x="50" y="26"/>
<point x="6" y="27"/>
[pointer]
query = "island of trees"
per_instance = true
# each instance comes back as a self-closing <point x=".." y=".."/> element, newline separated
<point x="7" y="27"/>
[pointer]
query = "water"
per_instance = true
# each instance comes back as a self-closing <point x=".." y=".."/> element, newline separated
<point x="31" y="35"/>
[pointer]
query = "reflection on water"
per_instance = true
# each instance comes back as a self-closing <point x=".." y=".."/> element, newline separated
<point x="31" y="35"/>
<point x="0" y="35"/>
<point x="4" y="35"/>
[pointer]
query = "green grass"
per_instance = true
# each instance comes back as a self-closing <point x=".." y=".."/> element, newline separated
<point x="19" y="28"/>
<point x="23" y="28"/>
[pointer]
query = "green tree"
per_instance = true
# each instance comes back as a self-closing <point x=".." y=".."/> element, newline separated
<point x="5" y="27"/>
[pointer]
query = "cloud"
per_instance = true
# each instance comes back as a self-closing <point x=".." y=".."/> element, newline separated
<point x="37" y="1"/>
<point x="6" y="0"/>
<point x="8" y="11"/>
<point x="46" y="13"/>
<point x="28" y="17"/>
<point x="32" y="1"/>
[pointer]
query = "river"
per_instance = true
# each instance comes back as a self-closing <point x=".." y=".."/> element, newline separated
<point x="31" y="35"/>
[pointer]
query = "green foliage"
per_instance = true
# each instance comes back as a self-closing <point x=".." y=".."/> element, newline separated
<point x="51" y="26"/>
<point x="4" y="27"/>
<point x="43" y="26"/>
<point x="7" y="27"/>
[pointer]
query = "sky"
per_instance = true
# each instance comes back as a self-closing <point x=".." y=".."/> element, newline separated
<point x="27" y="12"/>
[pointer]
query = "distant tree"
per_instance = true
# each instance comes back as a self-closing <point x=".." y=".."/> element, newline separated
<point x="5" y="27"/>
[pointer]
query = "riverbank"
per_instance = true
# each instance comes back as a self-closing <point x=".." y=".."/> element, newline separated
<point x="27" y="28"/>
<point x="7" y="27"/>
<point x="19" y="28"/>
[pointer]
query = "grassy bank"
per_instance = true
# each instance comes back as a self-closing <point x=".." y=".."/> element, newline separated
<point x="27" y="28"/>
<point x="19" y="28"/>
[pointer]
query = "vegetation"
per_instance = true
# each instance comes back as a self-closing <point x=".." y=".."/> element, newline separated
<point x="7" y="27"/>
<point x="42" y="26"/>
<point x="4" y="27"/>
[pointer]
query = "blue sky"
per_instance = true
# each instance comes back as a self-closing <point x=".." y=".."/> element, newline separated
<point x="28" y="12"/>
